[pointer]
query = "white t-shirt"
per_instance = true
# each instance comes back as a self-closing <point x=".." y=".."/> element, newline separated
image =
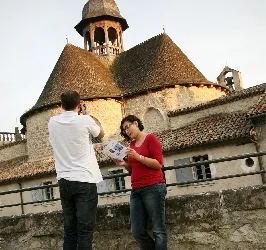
<point x="70" y="137"/>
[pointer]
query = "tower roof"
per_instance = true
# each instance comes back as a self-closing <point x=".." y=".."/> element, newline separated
<point x="157" y="62"/>
<point x="95" y="10"/>
<point x="80" y="70"/>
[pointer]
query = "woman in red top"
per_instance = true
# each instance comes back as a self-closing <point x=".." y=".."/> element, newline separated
<point x="147" y="199"/>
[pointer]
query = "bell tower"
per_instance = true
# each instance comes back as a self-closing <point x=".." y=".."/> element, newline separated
<point x="102" y="27"/>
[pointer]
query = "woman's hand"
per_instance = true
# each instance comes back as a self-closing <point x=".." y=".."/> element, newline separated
<point x="123" y="164"/>
<point x="120" y="163"/>
<point x="132" y="153"/>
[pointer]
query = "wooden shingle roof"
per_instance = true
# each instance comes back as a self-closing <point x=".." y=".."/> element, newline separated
<point x="157" y="62"/>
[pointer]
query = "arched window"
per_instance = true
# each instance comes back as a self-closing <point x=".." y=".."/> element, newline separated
<point x="99" y="36"/>
<point x="112" y="34"/>
<point x="88" y="39"/>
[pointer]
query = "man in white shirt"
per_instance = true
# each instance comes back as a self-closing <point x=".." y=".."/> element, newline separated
<point x="77" y="170"/>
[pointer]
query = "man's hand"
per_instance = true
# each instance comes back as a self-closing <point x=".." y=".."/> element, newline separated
<point x="101" y="135"/>
<point x="83" y="109"/>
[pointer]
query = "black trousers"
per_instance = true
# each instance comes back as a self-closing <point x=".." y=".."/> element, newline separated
<point x="79" y="203"/>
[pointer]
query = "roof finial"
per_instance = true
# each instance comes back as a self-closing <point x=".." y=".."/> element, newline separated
<point x="163" y="29"/>
<point x="67" y="39"/>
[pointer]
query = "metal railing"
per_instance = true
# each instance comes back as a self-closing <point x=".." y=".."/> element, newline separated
<point x="188" y="165"/>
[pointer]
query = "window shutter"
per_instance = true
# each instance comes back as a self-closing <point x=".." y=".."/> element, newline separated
<point x="106" y="186"/>
<point x="37" y="195"/>
<point x="183" y="174"/>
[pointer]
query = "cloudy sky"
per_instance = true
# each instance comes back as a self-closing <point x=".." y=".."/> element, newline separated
<point x="212" y="33"/>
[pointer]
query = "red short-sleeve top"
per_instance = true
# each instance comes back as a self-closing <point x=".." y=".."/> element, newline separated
<point x="142" y="175"/>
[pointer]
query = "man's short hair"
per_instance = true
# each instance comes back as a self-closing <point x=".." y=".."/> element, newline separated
<point x="70" y="100"/>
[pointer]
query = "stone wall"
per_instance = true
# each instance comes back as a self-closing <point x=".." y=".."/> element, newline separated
<point x="38" y="144"/>
<point x="171" y="99"/>
<point x="13" y="150"/>
<point x="109" y="113"/>
<point x="243" y="105"/>
<point x="225" y="220"/>
<point x="217" y="169"/>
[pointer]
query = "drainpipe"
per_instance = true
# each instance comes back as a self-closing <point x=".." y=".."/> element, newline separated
<point x="260" y="160"/>
<point x="21" y="198"/>
<point x="258" y="149"/>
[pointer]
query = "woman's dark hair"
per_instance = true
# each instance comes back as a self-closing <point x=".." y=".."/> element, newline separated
<point x="70" y="100"/>
<point x="130" y="118"/>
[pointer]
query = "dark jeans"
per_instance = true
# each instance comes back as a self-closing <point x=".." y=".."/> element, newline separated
<point x="79" y="202"/>
<point x="149" y="202"/>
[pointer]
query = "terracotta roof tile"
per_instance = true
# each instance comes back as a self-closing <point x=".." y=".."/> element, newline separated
<point x="211" y="129"/>
<point x="19" y="168"/>
<point x="157" y="62"/>
<point x="80" y="70"/>
<point x="11" y="144"/>
<point x="260" y="107"/>
<point x="234" y="96"/>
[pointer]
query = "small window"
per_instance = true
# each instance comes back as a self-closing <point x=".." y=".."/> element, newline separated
<point x="43" y="194"/>
<point x="119" y="181"/>
<point x="203" y="171"/>
<point x="249" y="162"/>
<point x="188" y="174"/>
<point x="183" y="174"/>
<point x="48" y="192"/>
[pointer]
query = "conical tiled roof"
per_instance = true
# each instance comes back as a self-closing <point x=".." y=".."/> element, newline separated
<point x="152" y="64"/>
<point x="96" y="8"/>
<point x="80" y="70"/>
<point x="155" y="63"/>
<point x="100" y="9"/>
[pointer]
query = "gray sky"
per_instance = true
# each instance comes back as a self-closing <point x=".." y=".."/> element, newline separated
<point x="210" y="32"/>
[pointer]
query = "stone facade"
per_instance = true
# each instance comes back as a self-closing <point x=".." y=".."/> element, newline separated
<point x="10" y="199"/>
<point x="109" y="113"/>
<point x="13" y="150"/>
<point x="225" y="220"/>
<point x="170" y="99"/>
<point x="240" y="105"/>
<point x="38" y="145"/>
<point x="217" y="169"/>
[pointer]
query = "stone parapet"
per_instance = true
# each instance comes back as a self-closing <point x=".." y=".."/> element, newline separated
<point x="230" y="219"/>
